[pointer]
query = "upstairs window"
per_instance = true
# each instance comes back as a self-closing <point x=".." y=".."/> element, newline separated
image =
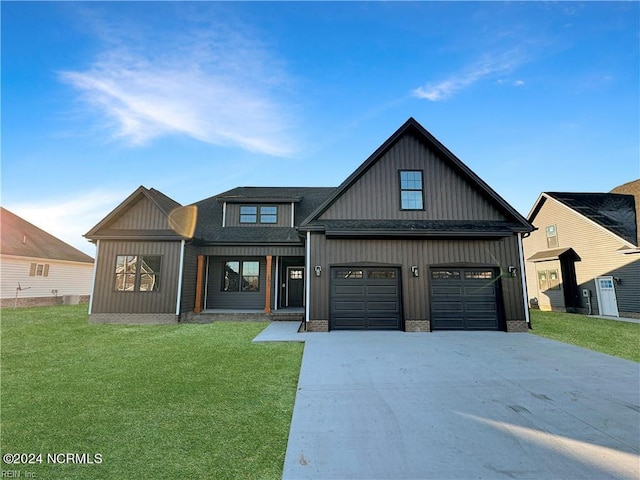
<point x="552" y="236"/>
<point x="248" y="214"/>
<point x="411" y="190"/>
<point x="262" y="213"/>
<point x="269" y="214"/>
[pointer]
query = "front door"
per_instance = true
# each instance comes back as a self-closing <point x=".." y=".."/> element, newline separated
<point x="606" y="293"/>
<point x="295" y="287"/>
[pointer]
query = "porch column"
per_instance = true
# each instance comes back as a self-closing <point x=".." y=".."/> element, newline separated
<point x="267" y="303"/>
<point x="199" y="284"/>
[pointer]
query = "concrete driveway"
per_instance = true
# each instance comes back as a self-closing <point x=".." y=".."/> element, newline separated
<point x="461" y="405"/>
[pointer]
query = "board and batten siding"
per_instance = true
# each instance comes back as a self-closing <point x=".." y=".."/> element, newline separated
<point x="189" y="275"/>
<point x="598" y="250"/>
<point x="218" y="299"/>
<point x="376" y="195"/>
<point x="144" y="215"/>
<point x="66" y="278"/>
<point x="232" y="215"/>
<point x="112" y="301"/>
<point x="500" y="254"/>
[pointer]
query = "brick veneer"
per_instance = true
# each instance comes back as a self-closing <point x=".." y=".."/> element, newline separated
<point x="318" y="326"/>
<point x="133" y="318"/>
<point x="517" y="326"/>
<point x="417" y="326"/>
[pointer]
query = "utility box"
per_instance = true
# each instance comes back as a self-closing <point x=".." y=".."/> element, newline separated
<point x="586" y="293"/>
<point x="71" y="299"/>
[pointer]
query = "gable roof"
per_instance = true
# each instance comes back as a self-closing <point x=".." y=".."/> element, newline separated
<point x="209" y="226"/>
<point x="411" y="127"/>
<point x="21" y="238"/>
<point x="614" y="212"/>
<point x="159" y="199"/>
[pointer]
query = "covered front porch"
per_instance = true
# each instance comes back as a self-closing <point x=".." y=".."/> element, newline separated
<point x="252" y="286"/>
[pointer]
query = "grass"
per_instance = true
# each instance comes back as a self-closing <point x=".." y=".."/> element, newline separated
<point x="621" y="339"/>
<point x="155" y="401"/>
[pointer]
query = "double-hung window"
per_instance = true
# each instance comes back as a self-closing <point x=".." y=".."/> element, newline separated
<point x="552" y="236"/>
<point x="411" y="190"/>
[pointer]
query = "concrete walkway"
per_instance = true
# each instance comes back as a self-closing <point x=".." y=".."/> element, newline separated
<point x="461" y="405"/>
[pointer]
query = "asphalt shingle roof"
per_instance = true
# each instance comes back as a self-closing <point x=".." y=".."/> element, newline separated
<point x="22" y="239"/>
<point x="209" y="226"/>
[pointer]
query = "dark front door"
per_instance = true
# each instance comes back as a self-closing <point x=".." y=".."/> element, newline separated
<point x="364" y="298"/>
<point x="464" y="299"/>
<point x="295" y="287"/>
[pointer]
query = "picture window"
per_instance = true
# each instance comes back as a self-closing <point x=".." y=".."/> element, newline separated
<point x="137" y="273"/>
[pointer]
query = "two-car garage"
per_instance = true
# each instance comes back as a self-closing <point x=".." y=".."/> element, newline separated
<point x="370" y="298"/>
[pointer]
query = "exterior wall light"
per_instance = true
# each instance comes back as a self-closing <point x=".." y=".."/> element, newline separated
<point x="513" y="271"/>
<point x="318" y="270"/>
<point x="414" y="271"/>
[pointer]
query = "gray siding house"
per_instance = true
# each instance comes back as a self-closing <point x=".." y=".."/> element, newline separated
<point x="413" y="240"/>
<point x="584" y="256"/>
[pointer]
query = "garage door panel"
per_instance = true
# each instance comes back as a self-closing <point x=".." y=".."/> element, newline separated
<point x="370" y="298"/>
<point x="383" y="306"/>
<point x="348" y="306"/>
<point x="391" y="290"/>
<point x="464" y="299"/>
<point x="450" y="306"/>
<point x="348" y="290"/>
<point x="452" y="290"/>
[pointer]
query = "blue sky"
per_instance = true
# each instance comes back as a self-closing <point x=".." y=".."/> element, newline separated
<point x="195" y="98"/>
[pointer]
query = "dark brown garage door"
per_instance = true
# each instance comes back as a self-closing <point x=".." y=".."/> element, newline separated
<point x="365" y="298"/>
<point x="464" y="299"/>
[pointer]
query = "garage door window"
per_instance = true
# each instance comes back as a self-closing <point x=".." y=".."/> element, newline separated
<point x="445" y="274"/>
<point x="348" y="274"/>
<point x="382" y="274"/>
<point x="478" y="275"/>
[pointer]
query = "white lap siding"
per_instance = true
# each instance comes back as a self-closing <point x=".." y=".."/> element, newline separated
<point x="66" y="278"/>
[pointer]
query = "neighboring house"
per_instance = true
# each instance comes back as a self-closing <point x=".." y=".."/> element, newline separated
<point x="38" y="268"/>
<point x="413" y="240"/>
<point x="584" y="255"/>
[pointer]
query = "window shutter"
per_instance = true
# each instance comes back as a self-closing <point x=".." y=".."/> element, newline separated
<point x="46" y="270"/>
<point x="32" y="270"/>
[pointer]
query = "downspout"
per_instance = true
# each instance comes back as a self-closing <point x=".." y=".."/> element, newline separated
<point x="307" y="283"/>
<point x="524" y="281"/>
<point x="95" y="271"/>
<point x="180" y="278"/>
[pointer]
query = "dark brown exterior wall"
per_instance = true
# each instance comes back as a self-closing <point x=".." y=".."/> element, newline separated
<point x="500" y="254"/>
<point x="448" y="196"/>
<point x="110" y="301"/>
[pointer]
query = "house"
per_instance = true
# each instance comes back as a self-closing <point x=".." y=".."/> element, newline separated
<point x="584" y="256"/>
<point x="39" y="269"/>
<point x="412" y="240"/>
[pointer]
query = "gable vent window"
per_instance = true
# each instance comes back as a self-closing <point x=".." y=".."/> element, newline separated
<point x="552" y="236"/>
<point x="411" y="190"/>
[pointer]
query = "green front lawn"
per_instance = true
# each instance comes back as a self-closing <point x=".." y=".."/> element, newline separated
<point x="621" y="339"/>
<point x="154" y="401"/>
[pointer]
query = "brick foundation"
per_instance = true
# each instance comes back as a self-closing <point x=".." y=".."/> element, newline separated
<point x="134" y="318"/>
<point x="517" y="326"/>
<point x="318" y="326"/>
<point x="417" y="326"/>
<point x="43" y="301"/>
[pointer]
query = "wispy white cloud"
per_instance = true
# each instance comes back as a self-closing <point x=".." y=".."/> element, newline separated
<point x="219" y="88"/>
<point x="71" y="217"/>
<point x="487" y="67"/>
